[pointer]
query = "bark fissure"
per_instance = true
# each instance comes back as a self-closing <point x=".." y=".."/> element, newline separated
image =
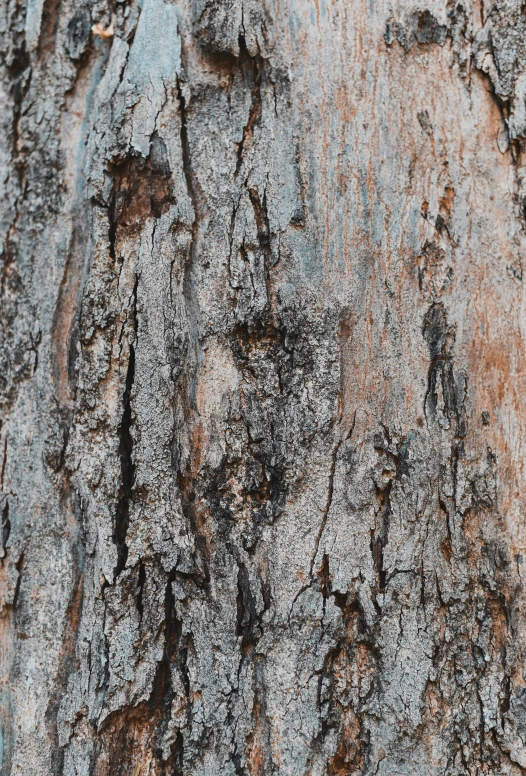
<point x="127" y="465"/>
<point x="328" y="503"/>
<point x="255" y="108"/>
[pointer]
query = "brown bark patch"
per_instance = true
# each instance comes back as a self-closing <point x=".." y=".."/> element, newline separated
<point x="348" y="758"/>
<point x="142" y="189"/>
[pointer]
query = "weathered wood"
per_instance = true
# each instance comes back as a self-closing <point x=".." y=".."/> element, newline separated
<point x="263" y="387"/>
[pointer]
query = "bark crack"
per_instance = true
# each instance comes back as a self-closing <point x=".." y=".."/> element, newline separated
<point x="122" y="517"/>
<point x="328" y="503"/>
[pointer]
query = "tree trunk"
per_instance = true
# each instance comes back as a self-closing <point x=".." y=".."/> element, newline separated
<point x="263" y="388"/>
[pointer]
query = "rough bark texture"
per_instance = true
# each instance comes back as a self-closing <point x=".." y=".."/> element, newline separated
<point x="263" y="387"/>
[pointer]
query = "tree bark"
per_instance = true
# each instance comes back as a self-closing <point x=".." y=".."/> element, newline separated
<point x="263" y="388"/>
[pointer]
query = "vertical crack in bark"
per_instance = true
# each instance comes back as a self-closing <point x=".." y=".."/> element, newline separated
<point x="247" y="618"/>
<point x="19" y="565"/>
<point x="113" y="216"/>
<point x="163" y="693"/>
<point x="21" y="73"/>
<point x="6" y="528"/>
<point x="442" y="379"/>
<point x="330" y="493"/>
<point x="141" y="579"/>
<point x="380" y="537"/>
<point x="4" y="462"/>
<point x="255" y="107"/>
<point x="122" y="516"/>
<point x="187" y="161"/>
<point x="262" y="224"/>
<point x="188" y="282"/>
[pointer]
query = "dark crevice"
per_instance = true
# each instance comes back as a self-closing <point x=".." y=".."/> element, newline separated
<point x="395" y="465"/>
<point x="248" y="625"/>
<point x="324" y="576"/>
<point x="379" y="539"/>
<point x="193" y="194"/>
<point x="447" y="544"/>
<point x="457" y="453"/>
<point x="328" y="503"/>
<point x="262" y="223"/>
<point x="141" y="579"/>
<point x="440" y="338"/>
<point x="112" y="228"/>
<point x="254" y="114"/>
<point x="198" y="200"/>
<point x="4" y="461"/>
<point x="186" y="154"/>
<point x="122" y="517"/>
<point x="505" y="696"/>
<point x="174" y="659"/>
<point x="19" y="565"/>
<point x="6" y="527"/>
<point x="162" y="692"/>
<point x="20" y="72"/>
<point x="64" y="447"/>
